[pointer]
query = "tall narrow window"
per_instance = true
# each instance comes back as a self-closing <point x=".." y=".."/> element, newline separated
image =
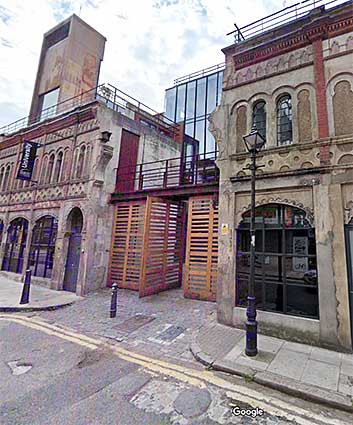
<point x="284" y="120"/>
<point x="2" y="172"/>
<point x="80" y="162"/>
<point x="58" y="165"/>
<point x="44" y="169"/>
<point x="259" y="117"/>
<point x="50" y="168"/>
<point x="6" y="182"/>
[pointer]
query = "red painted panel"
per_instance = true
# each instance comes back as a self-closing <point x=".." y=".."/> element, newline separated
<point x="125" y="176"/>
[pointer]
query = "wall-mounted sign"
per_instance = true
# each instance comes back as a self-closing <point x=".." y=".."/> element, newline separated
<point x="225" y="228"/>
<point x="26" y="165"/>
<point x="266" y="215"/>
<point x="300" y="246"/>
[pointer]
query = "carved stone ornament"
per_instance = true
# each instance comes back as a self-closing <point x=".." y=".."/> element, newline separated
<point x="105" y="155"/>
<point x="276" y="200"/>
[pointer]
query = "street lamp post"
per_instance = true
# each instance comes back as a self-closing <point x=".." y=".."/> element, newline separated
<point x="253" y="142"/>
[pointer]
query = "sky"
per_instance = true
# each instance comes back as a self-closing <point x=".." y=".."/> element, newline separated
<point x="149" y="42"/>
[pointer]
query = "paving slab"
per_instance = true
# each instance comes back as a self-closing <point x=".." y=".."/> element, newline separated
<point x="40" y="298"/>
<point x="321" y="374"/>
<point x="312" y="373"/>
<point x="289" y="363"/>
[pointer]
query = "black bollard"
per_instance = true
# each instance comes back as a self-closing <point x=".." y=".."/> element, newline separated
<point x="26" y="288"/>
<point x="114" y="300"/>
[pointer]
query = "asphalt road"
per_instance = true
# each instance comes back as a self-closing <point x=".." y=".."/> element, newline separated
<point x="54" y="375"/>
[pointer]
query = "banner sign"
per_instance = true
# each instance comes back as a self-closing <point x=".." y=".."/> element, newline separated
<point x="25" y="168"/>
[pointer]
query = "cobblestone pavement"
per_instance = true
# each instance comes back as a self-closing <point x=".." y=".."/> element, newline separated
<point x="160" y="325"/>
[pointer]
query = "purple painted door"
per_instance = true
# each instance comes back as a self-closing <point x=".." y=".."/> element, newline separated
<point x="72" y="262"/>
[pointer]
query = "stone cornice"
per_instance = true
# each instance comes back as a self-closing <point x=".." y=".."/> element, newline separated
<point x="320" y="28"/>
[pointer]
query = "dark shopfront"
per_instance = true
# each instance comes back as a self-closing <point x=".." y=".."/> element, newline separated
<point x="286" y="268"/>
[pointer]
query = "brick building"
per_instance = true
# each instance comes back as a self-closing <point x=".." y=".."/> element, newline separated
<point x="294" y="81"/>
<point x="59" y="223"/>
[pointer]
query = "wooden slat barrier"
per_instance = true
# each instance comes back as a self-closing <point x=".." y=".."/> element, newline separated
<point x="162" y="256"/>
<point x="127" y="245"/>
<point x="146" y="250"/>
<point x="202" y="249"/>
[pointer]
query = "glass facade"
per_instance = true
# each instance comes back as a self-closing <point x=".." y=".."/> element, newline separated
<point x="285" y="261"/>
<point x="191" y="103"/>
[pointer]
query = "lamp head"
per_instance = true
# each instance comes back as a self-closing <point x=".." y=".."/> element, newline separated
<point x="105" y="136"/>
<point x="254" y="141"/>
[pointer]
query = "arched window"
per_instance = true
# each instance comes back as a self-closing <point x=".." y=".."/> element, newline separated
<point x="6" y="182"/>
<point x="64" y="170"/>
<point x="74" y="168"/>
<point x="41" y="252"/>
<point x="284" y="120"/>
<point x="80" y="162"/>
<point x="2" y="172"/>
<point x="15" y="246"/>
<point x="50" y="169"/>
<point x="58" y="165"/>
<point x="86" y="166"/>
<point x="285" y="261"/>
<point x="259" y="117"/>
<point x="44" y="169"/>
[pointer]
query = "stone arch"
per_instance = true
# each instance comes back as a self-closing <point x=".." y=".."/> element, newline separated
<point x="269" y="199"/>
<point x="74" y="211"/>
<point x="345" y="159"/>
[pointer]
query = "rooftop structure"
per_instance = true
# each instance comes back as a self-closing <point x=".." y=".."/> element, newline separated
<point x="291" y="13"/>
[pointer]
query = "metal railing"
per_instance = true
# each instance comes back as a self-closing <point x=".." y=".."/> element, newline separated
<point x="201" y="73"/>
<point x="111" y="96"/>
<point x="168" y="173"/>
<point x="286" y="15"/>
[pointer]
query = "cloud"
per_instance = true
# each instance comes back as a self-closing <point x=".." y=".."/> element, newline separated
<point x="149" y="42"/>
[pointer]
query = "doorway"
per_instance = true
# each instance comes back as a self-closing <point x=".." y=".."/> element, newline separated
<point x="75" y="224"/>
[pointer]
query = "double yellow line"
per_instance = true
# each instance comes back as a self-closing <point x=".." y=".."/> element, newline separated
<point x="195" y="378"/>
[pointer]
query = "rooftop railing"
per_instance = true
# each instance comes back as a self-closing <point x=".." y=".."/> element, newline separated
<point x="107" y="94"/>
<point x="168" y="173"/>
<point x="201" y="73"/>
<point x="286" y="15"/>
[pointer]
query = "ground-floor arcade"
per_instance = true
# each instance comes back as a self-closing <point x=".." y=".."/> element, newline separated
<point x="65" y="245"/>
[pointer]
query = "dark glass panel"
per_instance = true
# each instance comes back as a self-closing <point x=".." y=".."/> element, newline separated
<point x="259" y="117"/>
<point x="201" y="97"/>
<point x="200" y="135"/>
<point x="180" y="112"/>
<point x="170" y="100"/>
<point x="284" y="120"/>
<point x="190" y="99"/>
<point x="273" y="297"/>
<point x="211" y="93"/>
<point x="302" y="301"/>
<point x="210" y="143"/>
<point x="189" y="128"/>
<point x="219" y="91"/>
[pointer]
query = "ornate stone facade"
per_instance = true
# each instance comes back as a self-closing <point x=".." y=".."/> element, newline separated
<point x="306" y="164"/>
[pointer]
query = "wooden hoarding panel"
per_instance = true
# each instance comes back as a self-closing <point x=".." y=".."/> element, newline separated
<point x="162" y="255"/>
<point x="202" y="249"/>
<point x="127" y="245"/>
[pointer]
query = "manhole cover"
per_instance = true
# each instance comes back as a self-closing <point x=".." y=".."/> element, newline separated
<point x="133" y="323"/>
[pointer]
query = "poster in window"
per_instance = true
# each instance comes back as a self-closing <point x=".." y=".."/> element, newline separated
<point x="300" y="246"/>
